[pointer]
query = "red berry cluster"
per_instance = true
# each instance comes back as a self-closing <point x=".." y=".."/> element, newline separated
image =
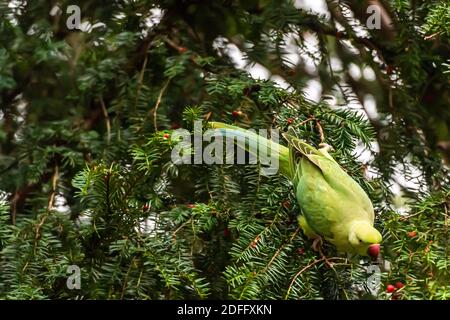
<point x="392" y="288"/>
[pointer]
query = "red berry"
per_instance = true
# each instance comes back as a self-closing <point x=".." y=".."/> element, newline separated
<point x="145" y="207"/>
<point x="166" y="136"/>
<point x="412" y="234"/>
<point x="286" y="204"/>
<point x="374" y="250"/>
<point x="191" y="206"/>
<point x="339" y="34"/>
<point x="427" y="248"/>
<point x="290" y="120"/>
<point x="399" y="285"/>
<point x="300" y="251"/>
<point x="237" y="113"/>
<point x="182" y="49"/>
<point x="390" y="288"/>
<point x="389" y="69"/>
<point x="226" y="232"/>
<point x="254" y="243"/>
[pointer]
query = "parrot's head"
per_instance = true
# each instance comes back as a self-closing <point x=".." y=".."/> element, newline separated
<point x="365" y="239"/>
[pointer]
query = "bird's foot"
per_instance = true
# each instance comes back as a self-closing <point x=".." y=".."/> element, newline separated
<point x="317" y="243"/>
<point x="326" y="147"/>
<point x="317" y="246"/>
<point x="324" y="257"/>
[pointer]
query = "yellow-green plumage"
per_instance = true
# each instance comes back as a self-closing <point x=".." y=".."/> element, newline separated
<point x="334" y="205"/>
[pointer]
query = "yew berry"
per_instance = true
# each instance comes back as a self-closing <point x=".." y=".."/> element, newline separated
<point x="399" y="285"/>
<point x="237" y="113"/>
<point x="412" y="234"/>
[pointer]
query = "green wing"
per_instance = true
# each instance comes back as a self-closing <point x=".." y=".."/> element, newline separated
<point x="329" y="197"/>
<point x="297" y="149"/>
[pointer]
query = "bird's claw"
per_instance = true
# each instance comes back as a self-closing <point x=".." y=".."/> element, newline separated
<point x="326" y="147"/>
<point x="317" y="243"/>
<point x="317" y="246"/>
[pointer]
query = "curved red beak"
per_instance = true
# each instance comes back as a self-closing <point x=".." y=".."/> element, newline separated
<point x="374" y="250"/>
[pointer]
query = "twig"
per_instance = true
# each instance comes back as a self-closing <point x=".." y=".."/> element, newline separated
<point x="306" y="268"/>
<point x="14" y="201"/>
<point x="327" y="261"/>
<point x="256" y="239"/>
<point x="51" y="200"/>
<point x="125" y="281"/>
<point x="279" y="250"/>
<point x="403" y="218"/>
<point x="158" y="102"/>
<point x="317" y="246"/>
<point x="141" y="75"/>
<point x="322" y="136"/>
<point x="255" y="274"/>
<point x="446" y="215"/>
<point x="299" y="273"/>
<point x="108" y="122"/>
<point x="305" y="121"/>
<point x="174" y="234"/>
<point x="431" y="36"/>
<point x="174" y="45"/>
<point x="391" y="101"/>
<point x="319" y="126"/>
<point x="446" y="225"/>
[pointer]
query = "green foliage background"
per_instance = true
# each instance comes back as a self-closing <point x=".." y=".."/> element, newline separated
<point x="85" y="170"/>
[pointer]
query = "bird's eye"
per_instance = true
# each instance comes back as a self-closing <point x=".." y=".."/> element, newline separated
<point x="360" y="241"/>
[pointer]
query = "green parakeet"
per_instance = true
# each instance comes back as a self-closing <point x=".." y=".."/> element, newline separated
<point x="334" y="206"/>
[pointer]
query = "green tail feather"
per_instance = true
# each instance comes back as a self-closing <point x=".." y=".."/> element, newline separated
<point x="256" y="141"/>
